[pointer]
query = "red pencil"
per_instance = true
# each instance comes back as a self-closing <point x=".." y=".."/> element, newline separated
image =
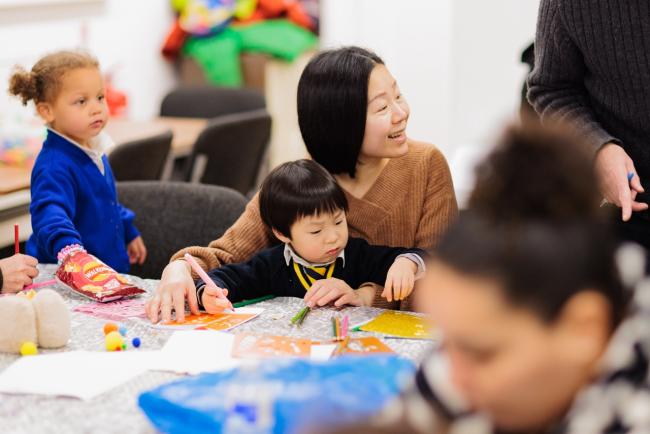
<point x="16" y="241"/>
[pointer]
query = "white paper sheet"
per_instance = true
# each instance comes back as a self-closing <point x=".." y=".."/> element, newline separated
<point x="196" y="351"/>
<point x="322" y="352"/>
<point x="79" y="374"/>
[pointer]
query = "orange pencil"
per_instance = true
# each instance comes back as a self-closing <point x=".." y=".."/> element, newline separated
<point x="342" y="346"/>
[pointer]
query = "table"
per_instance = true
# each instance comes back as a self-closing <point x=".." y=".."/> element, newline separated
<point x="117" y="411"/>
<point x="185" y="131"/>
<point x="14" y="178"/>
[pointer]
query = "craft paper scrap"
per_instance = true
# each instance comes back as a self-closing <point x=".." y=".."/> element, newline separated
<point x="256" y="346"/>
<point x="120" y="310"/>
<point x="366" y="345"/>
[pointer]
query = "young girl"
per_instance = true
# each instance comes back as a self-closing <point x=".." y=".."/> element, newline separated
<point x="540" y="335"/>
<point x="74" y="202"/>
<point x="353" y="120"/>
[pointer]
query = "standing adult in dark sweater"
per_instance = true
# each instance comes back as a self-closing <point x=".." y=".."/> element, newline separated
<point x="592" y="68"/>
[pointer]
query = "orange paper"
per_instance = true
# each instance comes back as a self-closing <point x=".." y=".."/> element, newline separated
<point x="249" y="345"/>
<point x="367" y="345"/>
<point x="218" y="321"/>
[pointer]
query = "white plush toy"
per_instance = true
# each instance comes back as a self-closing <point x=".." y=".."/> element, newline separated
<point x="28" y="320"/>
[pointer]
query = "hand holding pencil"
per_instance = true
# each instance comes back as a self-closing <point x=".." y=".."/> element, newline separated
<point x="17" y="270"/>
<point x="214" y="299"/>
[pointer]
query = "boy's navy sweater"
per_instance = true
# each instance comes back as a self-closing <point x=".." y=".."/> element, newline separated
<point x="268" y="273"/>
<point x="73" y="203"/>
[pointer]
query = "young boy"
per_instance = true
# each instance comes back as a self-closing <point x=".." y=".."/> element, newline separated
<point x="305" y="208"/>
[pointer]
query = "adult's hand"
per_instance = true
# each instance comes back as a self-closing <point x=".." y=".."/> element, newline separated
<point x="612" y="168"/>
<point x="176" y="285"/>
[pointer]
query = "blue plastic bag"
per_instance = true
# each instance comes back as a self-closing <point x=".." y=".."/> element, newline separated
<point x="280" y="396"/>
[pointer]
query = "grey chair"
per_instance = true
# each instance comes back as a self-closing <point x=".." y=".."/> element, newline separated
<point x="173" y="215"/>
<point x="210" y="101"/>
<point x="141" y="160"/>
<point x="230" y="151"/>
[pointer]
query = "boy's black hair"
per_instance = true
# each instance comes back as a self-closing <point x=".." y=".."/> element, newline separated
<point x="297" y="189"/>
<point x="332" y="106"/>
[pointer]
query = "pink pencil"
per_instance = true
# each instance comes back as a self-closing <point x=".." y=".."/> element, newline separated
<point x="203" y="275"/>
<point x="40" y="284"/>
<point x="346" y="320"/>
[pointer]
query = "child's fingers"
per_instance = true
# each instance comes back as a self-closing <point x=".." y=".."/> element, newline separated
<point x="315" y="293"/>
<point x="215" y="291"/>
<point x="388" y="288"/>
<point x="214" y="304"/>
<point x="348" y="298"/>
<point x="143" y="257"/>
<point x="314" y="288"/>
<point x="330" y="296"/>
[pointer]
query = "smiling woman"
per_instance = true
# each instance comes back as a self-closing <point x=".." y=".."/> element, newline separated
<point x="353" y="120"/>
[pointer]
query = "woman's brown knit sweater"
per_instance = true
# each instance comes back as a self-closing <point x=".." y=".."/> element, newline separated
<point x="410" y="204"/>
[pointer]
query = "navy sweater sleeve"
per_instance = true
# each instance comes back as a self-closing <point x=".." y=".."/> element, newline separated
<point x="373" y="262"/>
<point x="245" y="280"/>
<point x="52" y="209"/>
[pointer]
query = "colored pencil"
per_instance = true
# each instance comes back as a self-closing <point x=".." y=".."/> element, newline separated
<point x="16" y="239"/>
<point x="40" y="284"/>
<point x="300" y="316"/>
<point x="253" y="301"/>
<point x="342" y="346"/>
<point x="346" y="321"/>
<point x="204" y="276"/>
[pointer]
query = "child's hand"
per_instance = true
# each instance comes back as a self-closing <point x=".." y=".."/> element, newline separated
<point x="137" y="251"/>
<point x="325" y="291"/>
<point x="400" y="279"/>
<point x="17" y="271"/>
<point x="212" y="302"/>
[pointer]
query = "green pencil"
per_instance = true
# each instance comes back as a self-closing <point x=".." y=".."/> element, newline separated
<point x="300" y="316"/>
<point x="253" y="301"/>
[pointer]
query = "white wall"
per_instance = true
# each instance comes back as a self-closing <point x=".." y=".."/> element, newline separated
<point x="125" y="36"/>
<point x="456" y="61"/>
<point x="414" y="38"/>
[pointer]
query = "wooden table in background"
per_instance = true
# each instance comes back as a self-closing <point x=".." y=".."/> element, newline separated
<point x="185" y="131"/>
<point x="13" y="178"/>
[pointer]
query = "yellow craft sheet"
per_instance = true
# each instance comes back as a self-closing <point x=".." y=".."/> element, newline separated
<point x="399" y="324"/>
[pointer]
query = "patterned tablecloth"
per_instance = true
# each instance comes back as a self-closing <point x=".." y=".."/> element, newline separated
<point x="117" y="411"/>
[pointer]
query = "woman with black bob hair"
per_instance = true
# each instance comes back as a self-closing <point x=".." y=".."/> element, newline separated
<point x="544" y="323"/>
<point x="353" y="120"/>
